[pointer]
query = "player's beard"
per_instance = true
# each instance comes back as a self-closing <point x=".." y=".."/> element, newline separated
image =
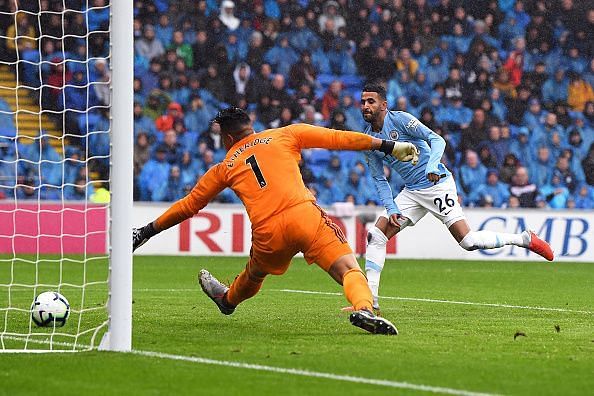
<point x="369" y="116"/>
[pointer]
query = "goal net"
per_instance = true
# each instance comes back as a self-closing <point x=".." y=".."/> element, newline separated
<point x="57" y="173"/>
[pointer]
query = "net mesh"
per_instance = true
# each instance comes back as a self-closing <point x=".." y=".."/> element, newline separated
<point x="54" y="169"/>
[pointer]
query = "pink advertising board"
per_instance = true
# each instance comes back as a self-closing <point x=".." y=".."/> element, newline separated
<point x="52" y="228"/>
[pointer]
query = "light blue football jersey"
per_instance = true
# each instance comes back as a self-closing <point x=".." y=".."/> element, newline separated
<point x="404" y="127"/>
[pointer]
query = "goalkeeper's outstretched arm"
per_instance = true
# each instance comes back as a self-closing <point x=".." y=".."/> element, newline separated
<point x="310" y="136"/>
<point x="208" y="187"/>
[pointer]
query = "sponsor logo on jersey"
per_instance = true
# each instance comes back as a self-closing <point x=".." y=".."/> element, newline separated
<point x="412" y="124"/>
<point x="393" y="134"/>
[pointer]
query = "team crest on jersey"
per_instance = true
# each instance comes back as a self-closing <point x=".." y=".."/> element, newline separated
<point x="393" y="134"/>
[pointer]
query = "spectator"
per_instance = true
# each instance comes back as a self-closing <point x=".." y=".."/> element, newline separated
<point x="182" y="49"/>
<point x="164" y="30"/>
<point x="567" y="177"/>
<point x="199" y="115"/>
<point x="541" y="168"/>
<point x="281" y="57"/>
<point x="521" y="147"/>
<point x="153" y="174"/>
<point x="201" y="50"/>
<point x="303" y="72"/>
<point x="173" y="190"/>
<point x="584" y="197"/>
<point x="285" y="118"/>
<point x="278" y="95"/>
<point x="331" y="99"/>
<point x="189" y="170"/>
<point x="227" y="16"/>
<point x="256" y="50"/>
<point x="174" y="113"/>
<point x="498" y="144"/>
<point x="260" y="84"/>
<point x="236" y="49"/>
<point x="455" y="115"/>
<point x="555" y="89"/>
<point x="311" y="116"/>
<point x="331" y="14"/>
<point x="142" y="152"/>
<point x="241" y="76"/>
<point x="215" y="83"/>
<point x="579" y="92"/>
<point x="173" y="149"/>
<point x="526" y="193"/>
<point x="518" y="105"/>
<point x="471" y="174"/>
<point x="143" y="123"/>
<point x="534" y="116"/>
<point x="301" y="37"/>
<point x="555" y="194"/>
<point x="510" y="164"/>
<point x="148" y="46"/>
<point x="493" y="191"/>
<point x="337" y="120"/>
<point x="212" y="137"/>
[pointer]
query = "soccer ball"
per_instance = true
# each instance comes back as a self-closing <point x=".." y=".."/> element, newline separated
<point x="50" y="309"/>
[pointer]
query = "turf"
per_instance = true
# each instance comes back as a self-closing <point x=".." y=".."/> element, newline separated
<point x="464" y="347"/>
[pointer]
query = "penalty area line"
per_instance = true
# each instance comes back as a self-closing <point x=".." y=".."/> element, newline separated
<point x="430" y="300"/>
<point x="280" y="370"/>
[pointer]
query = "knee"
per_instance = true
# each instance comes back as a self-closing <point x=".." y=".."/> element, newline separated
<point x="469" y="242"/>
<point x="376" y="237"/>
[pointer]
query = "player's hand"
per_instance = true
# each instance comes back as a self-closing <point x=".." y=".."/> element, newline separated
<point x="433" y="177"/>
<point x="398" y="220"/>
<point x="141" y="235"/>
<point x="406" y="152"/>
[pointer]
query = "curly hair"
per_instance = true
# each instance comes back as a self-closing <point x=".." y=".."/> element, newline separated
<point x="232" y="120"/>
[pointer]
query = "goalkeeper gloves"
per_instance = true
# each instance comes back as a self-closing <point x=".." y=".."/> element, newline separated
<point x="141" y="235"/>
<point x="405" y="152"/>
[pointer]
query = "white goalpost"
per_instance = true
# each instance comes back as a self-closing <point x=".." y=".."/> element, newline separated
<point x="66" y="172"/>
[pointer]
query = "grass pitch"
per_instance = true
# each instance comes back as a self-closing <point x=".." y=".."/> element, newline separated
<point x="446" y="339"/>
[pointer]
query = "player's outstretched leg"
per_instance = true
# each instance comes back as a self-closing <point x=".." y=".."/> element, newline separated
<point x="490" y="240"/>
<point x="216" y="291"/>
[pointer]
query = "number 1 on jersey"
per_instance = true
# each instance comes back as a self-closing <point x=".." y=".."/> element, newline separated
<point x="251" y="161"/>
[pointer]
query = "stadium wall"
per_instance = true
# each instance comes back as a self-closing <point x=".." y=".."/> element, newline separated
<point x="225" y="230"/>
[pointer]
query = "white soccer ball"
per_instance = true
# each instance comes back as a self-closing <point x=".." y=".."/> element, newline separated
<point x="50" y="309"/>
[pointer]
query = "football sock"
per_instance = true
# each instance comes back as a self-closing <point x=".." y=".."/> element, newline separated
<point x="243" y="287"/>
<point x="488" y="240"/>
<point x="356" y="289"/>
<point x="375" y="259"/>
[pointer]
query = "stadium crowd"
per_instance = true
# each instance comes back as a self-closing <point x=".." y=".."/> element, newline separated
<point x="508" y="84"/>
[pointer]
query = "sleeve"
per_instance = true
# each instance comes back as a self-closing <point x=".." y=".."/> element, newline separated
<point x="208" y="187"/>
<point x="414" y="127"/>
<point x="376" y="167"/>
<point x="310" y="136"/>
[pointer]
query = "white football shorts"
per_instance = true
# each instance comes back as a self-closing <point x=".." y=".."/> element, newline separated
<point x="441" y="200"/>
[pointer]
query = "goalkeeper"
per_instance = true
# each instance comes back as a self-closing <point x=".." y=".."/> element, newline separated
<point x="429" y="188"/>
<point x="262" y="169"/>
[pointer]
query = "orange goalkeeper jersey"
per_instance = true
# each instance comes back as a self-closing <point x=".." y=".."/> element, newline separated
<point x="263" y="170"/>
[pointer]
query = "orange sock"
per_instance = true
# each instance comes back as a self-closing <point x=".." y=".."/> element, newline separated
<point x="243" y="287"/>
<point x="356" y="289"/>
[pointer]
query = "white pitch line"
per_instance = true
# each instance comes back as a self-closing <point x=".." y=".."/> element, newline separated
<point x="444" y="301"/>
<point x="166" y="290"/>
<point x="291" y="371"/>
<point x="314" y="374"/>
